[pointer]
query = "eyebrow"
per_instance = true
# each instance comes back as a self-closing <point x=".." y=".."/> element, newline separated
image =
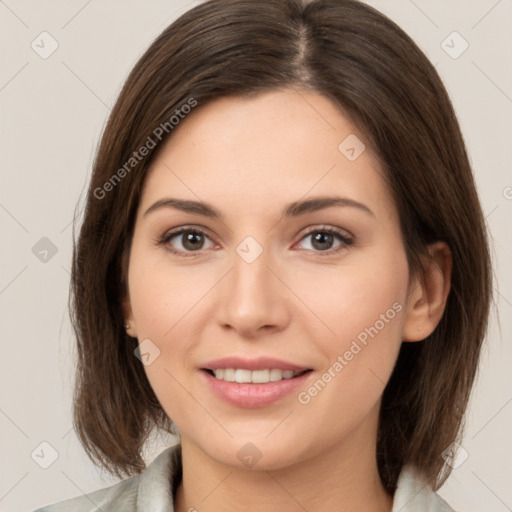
<point x="293" y="209"/>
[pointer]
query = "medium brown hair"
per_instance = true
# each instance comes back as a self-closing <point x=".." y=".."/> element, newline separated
<point x="376" y="75"/>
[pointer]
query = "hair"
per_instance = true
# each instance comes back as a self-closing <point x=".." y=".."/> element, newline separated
<point x="378" y="77"/>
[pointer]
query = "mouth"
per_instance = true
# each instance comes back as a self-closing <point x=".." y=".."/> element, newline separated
<point x="244" y="376"/>
<point x="254" y="383"/>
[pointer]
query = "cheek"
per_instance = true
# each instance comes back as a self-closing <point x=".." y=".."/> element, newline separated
<point x="370" y="306"/>
<point x="351" y="300"/>
<point x="167" y="304"/>
<point x="162" y="299"/>
<point x="362" y="310"/>
<point x="163" y="294"/>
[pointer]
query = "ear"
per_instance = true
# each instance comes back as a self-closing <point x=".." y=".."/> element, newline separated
<point x="128" y="317"/>
<point x="428" y="294"/>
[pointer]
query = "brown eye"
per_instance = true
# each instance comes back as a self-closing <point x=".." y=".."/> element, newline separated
<point x="192" y="240"/>
<point x="185" y="240"/>
<point x="323" y="240"/>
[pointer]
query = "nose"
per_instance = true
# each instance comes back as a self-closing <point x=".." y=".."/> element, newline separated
<point x="254" y="301"/>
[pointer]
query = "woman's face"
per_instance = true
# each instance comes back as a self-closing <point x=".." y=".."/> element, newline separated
<point x="265" y="286"/>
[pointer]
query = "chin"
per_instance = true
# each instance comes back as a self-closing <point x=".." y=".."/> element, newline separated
<point x="257" y="453"/>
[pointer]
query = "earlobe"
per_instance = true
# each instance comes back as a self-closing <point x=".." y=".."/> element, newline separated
<point x="428" y="294"/>
<point x="129" y="322"/>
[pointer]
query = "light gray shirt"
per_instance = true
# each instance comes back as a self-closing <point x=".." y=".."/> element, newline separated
<point x="153" y="491"/>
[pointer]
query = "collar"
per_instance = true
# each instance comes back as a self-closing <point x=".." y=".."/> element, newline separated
<point x="414" y="494"/>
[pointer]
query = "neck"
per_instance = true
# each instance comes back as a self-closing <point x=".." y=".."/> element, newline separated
<point x="343" y="477"/>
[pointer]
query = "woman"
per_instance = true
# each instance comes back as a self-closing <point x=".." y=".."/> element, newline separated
<point x="283" y="257"/>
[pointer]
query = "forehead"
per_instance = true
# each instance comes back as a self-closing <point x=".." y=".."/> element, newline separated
<point x="264" y="151"/>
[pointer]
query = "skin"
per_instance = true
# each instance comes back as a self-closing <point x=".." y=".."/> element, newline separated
<point x="248" y="158"/>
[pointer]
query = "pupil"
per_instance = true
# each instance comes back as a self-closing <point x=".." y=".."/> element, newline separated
<point x="320" y="240"/>
<point x="190" y="240"/>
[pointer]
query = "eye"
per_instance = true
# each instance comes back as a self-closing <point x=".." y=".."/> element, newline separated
<point x="184" y="240"/>
<point x="323" y="238"/>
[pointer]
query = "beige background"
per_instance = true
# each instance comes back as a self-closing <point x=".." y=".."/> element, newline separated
<point x="53" y="111"/>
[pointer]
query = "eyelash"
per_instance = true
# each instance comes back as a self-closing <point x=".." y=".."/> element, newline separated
<point x="166" y="237"/>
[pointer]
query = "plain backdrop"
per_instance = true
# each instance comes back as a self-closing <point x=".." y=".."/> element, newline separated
<point x="54" y="106"/>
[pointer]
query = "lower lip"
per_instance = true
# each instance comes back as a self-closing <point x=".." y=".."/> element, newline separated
<point x="254" y="395"/>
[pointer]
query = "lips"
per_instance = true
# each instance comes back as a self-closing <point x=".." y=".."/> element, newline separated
<point x="253" y="382"/>
<point x="261" y="363"/>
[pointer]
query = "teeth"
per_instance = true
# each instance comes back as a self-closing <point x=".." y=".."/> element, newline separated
<point x="229" y="375"/>
<point x="276" y="375"/>
<point x="257" y="376"/>
<point x="243" y="376"/>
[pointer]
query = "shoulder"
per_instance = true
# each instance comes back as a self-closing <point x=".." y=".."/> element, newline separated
<point x="122" y="494"/>
<point x="151" y="490"/>
<point x="414" y="494"/>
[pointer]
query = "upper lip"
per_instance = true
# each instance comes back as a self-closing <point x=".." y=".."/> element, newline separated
<point x="260" y="363"/>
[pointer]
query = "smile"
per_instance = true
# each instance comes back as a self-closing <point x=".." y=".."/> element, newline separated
<point x="264" y="376"/>
<point x="254" y="388"/>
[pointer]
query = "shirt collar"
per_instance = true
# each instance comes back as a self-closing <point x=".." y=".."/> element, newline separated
<point x="414" y="494"/>
<point x="159" y="481"/>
